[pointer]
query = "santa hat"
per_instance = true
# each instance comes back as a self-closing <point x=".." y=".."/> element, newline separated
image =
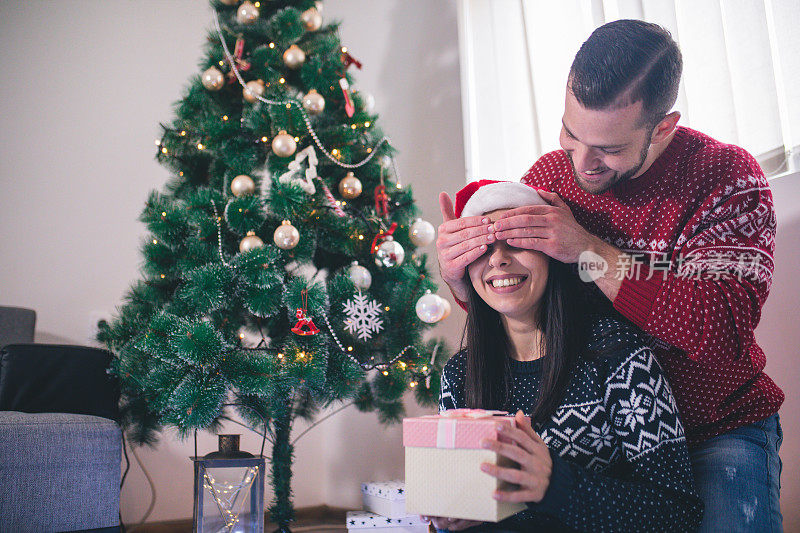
<point x="483" y="196"/>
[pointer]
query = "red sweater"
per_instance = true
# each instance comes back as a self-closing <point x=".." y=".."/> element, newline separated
<point x="707" y="203"/>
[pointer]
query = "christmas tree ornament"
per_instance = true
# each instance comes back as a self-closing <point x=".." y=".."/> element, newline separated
<point x="286" y="236"/>
<point x="390" y="253"/>
<point x="293" y="174"/>
<point x="284" y="145"/>
<point x="447" y="308"/>
<point x="247" y="13"/>
<point x="252" y="90"/>
<point x="349" y="108"/>
<point x="313" y="102"/>
<point x="304" y="325"/>
<point x="294" y="56"/>
<point x="430" y="307"/>
<point x="312" y="19"/>
<point x="242" y="185"/>
<point x="348" y="60"/>
<point x="350" y="186"/>
<point x="250" y="242"/>
<point x="381" y="201"/>
<point x="360" y="276"/>
<point x="363" y="316"/>
<point x="421" y="232"/>
<point x="369" y="101"/>
<point x="212" y="79"/>
<point x="237" y="63"/>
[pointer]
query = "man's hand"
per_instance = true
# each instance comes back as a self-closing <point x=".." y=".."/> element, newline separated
<point x="530" y="452"/>
<point x="460" y="242"/>
<point x="452" y="524"/>
<point x="547" y="228"/>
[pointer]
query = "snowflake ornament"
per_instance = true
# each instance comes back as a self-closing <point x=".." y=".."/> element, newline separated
<point x="363" y="316"/>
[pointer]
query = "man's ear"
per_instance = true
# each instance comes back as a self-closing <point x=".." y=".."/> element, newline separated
<point x="665" y="128"/>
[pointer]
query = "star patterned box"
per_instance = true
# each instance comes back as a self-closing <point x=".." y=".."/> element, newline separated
<point x="443" y="459"/>
<point x="386" y="498"/>
<point x="364" y="521"/>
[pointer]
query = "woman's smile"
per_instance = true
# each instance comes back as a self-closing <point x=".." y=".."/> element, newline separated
<point x="506" y="283"/>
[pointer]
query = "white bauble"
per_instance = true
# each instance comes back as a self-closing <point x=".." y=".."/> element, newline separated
<point x="312" y="19"/>
<point x="421" y="232"/>
<point x="251" y="242"/>
<point x="294" y="56"/>
<point x="313" y="102"/>
<point x="247" y="13"/>
<point x="430" y="308"/>
<point x="212" y="79"/>
<point x="242" y="185"/>
<point x="286" y="236"/>
<point x="284" y="144"/>
<point x="390" y="253"/>
<point x="360" y="276"/>
<point x="252" y="90"/>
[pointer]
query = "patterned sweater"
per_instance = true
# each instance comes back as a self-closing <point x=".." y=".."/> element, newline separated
<point x="702" y="220"/>
<point x="620" y="461"/>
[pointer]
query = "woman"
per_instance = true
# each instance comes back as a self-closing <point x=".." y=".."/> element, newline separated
<point x="604" y="449"/>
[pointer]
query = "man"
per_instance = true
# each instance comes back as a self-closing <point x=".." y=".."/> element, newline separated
<point x="676" y="232"/>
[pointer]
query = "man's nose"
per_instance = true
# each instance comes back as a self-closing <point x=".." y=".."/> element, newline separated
<point x="585" y="159"/>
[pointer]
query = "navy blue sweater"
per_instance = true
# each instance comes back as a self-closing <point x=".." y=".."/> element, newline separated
<point x="620" y="461"/>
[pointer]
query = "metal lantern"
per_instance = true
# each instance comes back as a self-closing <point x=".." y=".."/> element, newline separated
<point x="229" y="489"/>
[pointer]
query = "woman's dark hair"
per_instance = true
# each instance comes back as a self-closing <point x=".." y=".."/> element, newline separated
<point x="564" y="324"/>
<point x="633" y="58"/>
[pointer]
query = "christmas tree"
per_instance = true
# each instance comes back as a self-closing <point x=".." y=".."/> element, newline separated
<point x="280" y="272"/>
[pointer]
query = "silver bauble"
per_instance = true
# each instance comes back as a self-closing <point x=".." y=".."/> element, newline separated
<point x="284" y="144"/>
<point x="360" y="276"/>
<point x="212" y="79"/>
<point x="251" y="242"/>
<point x="252" y="90"/>
<point x="247" y="13"/>
<point x="286" y="236"/>
<point x="294" y="56"/>
<point x="390" y="253"/>
<point x="242" y="185"/>
<point x="430" y="308"/>
<point x="421" y="232"/>
<point x="312" y="19"/>
<point x="350" y="186"/>
<point x="313" y="102"/>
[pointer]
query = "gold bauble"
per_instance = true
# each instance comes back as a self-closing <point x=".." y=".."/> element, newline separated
<point x="350" y="186"/>
<point x="252" y="90"/>
<point x="242" y="185"/>
<point x="313" y="102"/>
<point x="294" y="56"/>
<point x="212" y="79"/>
<point x="284" y="144"/>
<point x="251" y="242"/>
<point x="312" y="19"/>
<point x="286" y="236"/>
<point x="247" y="13"/>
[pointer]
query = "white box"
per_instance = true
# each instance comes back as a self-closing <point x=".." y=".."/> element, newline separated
<point x="386" y="498"/>
<point x="363" y="522"/>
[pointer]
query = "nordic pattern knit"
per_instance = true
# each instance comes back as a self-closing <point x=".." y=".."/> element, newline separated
<point x="620" y="461"/>
<point x="708" y="205"/>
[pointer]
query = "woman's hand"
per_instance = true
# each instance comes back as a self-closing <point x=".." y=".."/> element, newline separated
<point x="453" y="524"/>
<point x="530" y="452"/>
<point x="461" y="241"/>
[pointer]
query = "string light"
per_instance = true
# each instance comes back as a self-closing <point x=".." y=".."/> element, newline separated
<point x="272" y="45"/>
<point x="385" y="372"/>
<point x="163" y="150"/>
<point x="155" y="241"/>
<point x="158" y="142"/>
<point x="224" y="117"/>
<point x="263" y="139"/>
<point x="282" y="80"/>
<point x="200" y="146"/>
<point x="183" y="133"/>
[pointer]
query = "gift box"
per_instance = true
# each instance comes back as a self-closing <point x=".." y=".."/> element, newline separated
<point x="387" y="498"/>
<point x="364" y="521"/>
<point x="443" y="458"/>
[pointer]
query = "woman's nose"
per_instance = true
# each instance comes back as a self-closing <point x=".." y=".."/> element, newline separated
<point x="500" y="255"/>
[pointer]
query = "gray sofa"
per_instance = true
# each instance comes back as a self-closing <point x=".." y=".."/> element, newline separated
<point x="60" y="444"/>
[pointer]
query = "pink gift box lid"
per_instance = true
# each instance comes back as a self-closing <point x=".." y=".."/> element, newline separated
<point x="456" y="428"/>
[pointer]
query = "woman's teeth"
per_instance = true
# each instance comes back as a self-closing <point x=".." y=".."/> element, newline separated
<point x="507" y="282"/>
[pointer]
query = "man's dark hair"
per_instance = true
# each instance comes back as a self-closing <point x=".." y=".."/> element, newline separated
<point x="626" y="61"/>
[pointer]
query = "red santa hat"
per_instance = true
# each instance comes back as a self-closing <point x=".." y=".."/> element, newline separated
<point x="483" y="196"/>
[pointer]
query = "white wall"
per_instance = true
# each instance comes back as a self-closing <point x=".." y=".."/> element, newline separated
<point x="85" y="85"/>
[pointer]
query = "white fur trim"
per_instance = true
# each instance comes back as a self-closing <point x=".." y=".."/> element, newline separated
<point x="501" y="195"/>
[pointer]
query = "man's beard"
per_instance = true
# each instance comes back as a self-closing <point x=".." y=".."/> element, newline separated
<point x="616" y="177"/>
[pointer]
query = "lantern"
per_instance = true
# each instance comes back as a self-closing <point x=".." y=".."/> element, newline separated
<point x="229" y="489"/>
